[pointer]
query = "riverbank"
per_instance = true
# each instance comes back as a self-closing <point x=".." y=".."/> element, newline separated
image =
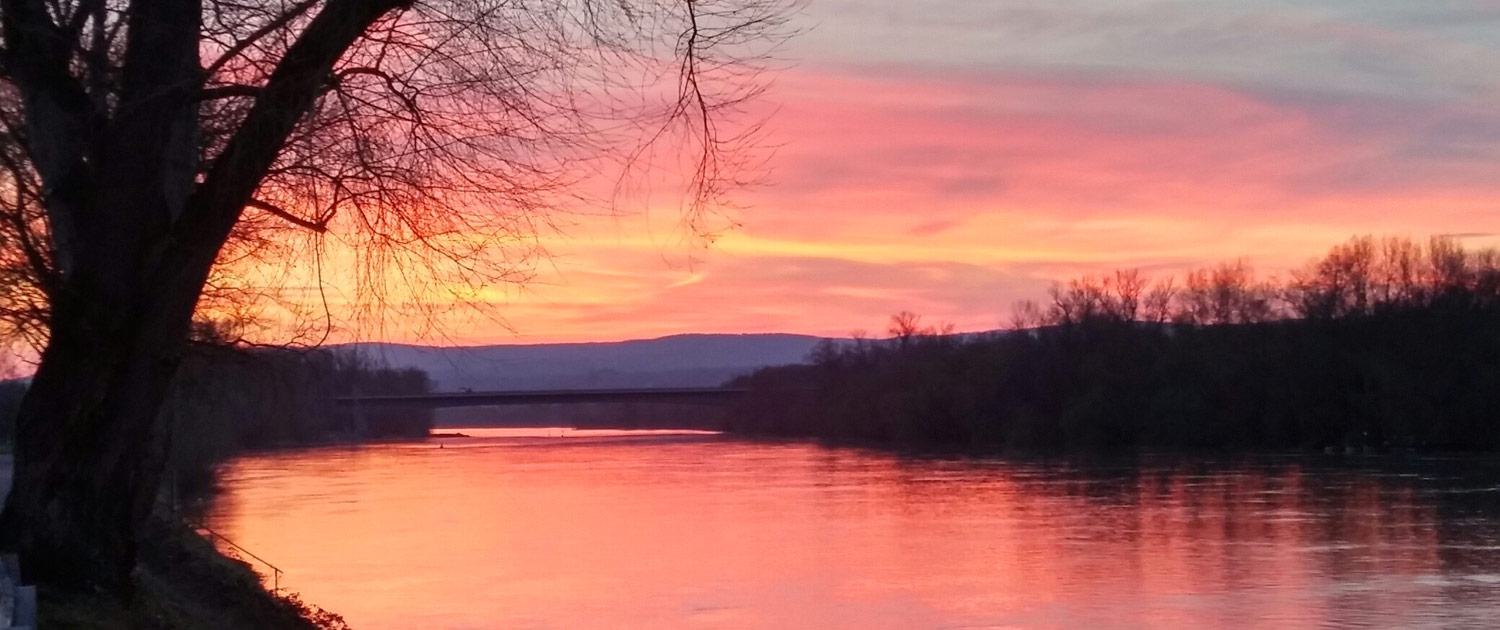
<point x="1400" y="356"/>
<point x="183" y="583"/>
<point x="1405" y="382"/>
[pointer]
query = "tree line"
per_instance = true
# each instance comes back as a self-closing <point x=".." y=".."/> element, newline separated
<point x="228" y="398"/>
<point x="1381" y="343"/>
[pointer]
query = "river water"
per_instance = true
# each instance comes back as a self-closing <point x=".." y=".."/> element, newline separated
<point x="547" y="528"/>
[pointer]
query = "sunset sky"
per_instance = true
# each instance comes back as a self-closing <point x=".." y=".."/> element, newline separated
<point x="950" y="157"/>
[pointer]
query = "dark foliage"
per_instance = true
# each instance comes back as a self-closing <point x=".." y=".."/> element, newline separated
<point x="1381" y="344"/>
<point x="185" y="583"/>
<point x="226" y="400"/>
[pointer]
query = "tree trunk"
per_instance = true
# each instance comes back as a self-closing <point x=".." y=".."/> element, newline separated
<point x="88" y="457"/>
<point x="88" y="461"/>
<point x="149" y="224"/>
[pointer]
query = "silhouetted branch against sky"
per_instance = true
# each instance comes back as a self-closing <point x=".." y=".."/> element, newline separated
<point x="447" y="140"/>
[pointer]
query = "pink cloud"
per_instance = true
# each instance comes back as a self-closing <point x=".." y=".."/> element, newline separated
<point x="961" y="144"/>
<point x="954" y="194"/>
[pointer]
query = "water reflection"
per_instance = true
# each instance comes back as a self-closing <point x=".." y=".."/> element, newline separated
<point x="630" y="530"/>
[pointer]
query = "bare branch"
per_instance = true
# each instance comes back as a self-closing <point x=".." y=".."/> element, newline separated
<point x="316" y="226"/>
<point x="443" y="137"/>
<point x="228" y="91"/>
<point x="280" y="22"/>
<point x="56" y="112"/>
<point x="289" y="92"/>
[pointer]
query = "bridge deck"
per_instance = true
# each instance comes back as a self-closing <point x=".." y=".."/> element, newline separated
<point x="685" y="395"/>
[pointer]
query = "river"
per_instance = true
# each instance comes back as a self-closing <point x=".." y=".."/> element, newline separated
<point x="547" y="528"/>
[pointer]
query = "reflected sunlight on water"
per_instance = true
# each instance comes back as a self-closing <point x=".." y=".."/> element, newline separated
<point x="526" y="529"/>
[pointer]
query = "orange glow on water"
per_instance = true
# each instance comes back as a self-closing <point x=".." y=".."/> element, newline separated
<point x="604" y="531"/>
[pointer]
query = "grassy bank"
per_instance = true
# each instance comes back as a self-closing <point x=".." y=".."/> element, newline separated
<point x="184" y="583"/>
<point x="227" y="400"/>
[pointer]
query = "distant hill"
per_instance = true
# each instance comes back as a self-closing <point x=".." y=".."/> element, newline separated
<point x="697" y="360"/>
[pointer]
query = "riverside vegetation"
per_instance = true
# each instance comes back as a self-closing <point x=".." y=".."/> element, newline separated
<point x="225" y="400"/>
<point x="1380" y="344"/>
<point x="228" y="399"/>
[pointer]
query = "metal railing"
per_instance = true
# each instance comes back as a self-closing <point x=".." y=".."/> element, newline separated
<point x="213" y="535"/>
<point x="174" y="504"/>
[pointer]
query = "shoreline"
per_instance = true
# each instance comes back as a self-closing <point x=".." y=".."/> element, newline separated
<point x="186" y="582"/>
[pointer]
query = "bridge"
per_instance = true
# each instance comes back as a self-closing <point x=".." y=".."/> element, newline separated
<point x="678" y="395"/>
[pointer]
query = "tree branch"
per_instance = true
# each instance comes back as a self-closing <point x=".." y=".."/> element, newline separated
<point x="316" y="226"/>
<point x="250" y="40"/>
<point x="57" y="111"/>
<point x="231" y="181"/>
<point x="228" y="91"/>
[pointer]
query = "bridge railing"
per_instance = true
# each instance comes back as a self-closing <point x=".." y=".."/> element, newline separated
<point x="681" y="395"/>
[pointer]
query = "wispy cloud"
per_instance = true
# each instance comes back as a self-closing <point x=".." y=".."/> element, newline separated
<point x="950" y="157"/>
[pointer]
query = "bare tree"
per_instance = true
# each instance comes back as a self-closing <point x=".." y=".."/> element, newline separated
<point x="1080" y="300"/>
<point x="1026" y="314"/>
<point x="146" y="141"/>
<point x="1227" y="293"/>
<point x="906" y="326"/>
<point x="1400" y="272"/>
<point x="1448" y="268"/>
<point x="1158" y="301"/>
<point x="1362" y="275"/>
<point x="1127" y="289"/>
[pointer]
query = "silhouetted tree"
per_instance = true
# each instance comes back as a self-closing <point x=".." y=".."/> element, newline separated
<point x="905" y="326"/>
<point x="1225" y="294"/>
<point x="1402" y="350"/>
<point x="1128" y="288"/>
<point x="1026" y="314"/>
<point x="1159" y="300"/>
<point x="146" y="140"/>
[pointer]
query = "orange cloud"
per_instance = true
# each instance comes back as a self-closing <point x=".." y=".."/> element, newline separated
<point x="954" y="194"/>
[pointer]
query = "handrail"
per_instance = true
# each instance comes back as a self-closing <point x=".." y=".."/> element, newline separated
<point x="201" y="528"/>
<point x="275" y="570"/>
